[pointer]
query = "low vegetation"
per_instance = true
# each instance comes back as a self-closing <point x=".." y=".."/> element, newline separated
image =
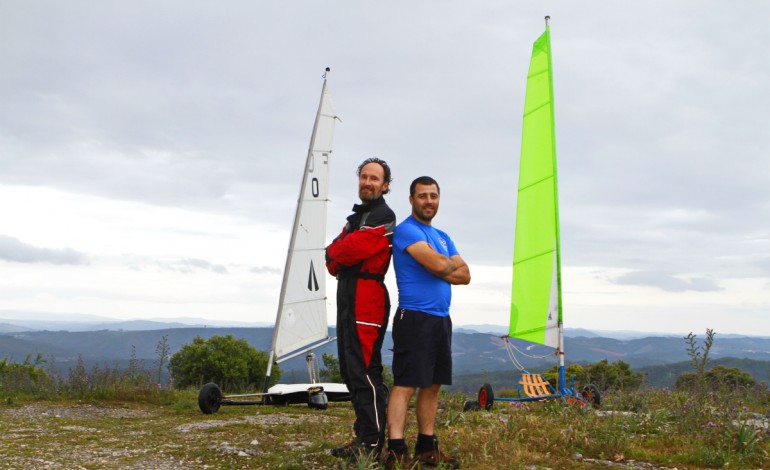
<point x="109" y="418"/>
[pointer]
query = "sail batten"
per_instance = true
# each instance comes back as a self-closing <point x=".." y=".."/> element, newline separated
<point x="536" y="314"/>
<point x="543" y="180"/>
<point x="537" y="108"/>
<point x="536" y="255"/>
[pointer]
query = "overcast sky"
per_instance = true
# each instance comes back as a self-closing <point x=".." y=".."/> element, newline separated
<point x="151" y="152"/>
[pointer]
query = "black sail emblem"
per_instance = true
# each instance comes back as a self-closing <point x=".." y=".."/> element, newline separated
<point x="312" y="281"/>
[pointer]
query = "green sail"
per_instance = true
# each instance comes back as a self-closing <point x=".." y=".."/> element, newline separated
<point x="536" y="287"/>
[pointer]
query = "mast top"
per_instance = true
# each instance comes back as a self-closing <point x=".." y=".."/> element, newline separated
<point x="326" y="72"/>
<point x="547" y="18"/>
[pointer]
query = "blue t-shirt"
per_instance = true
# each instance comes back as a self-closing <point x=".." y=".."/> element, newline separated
<point x="418" y="289"/>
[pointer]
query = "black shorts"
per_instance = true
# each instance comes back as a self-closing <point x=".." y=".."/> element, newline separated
<point x="422" y="349"/>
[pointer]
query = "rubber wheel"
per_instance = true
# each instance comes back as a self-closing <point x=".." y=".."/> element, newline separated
<point x="574" y="401"/>
<point x="278" y="400"/>
<point x="486" y="397"/>
<point x="591" y="395"/>
<point x="471" y="405"/>
<point x="209" y="398"/>
<point x="317" y="399"/>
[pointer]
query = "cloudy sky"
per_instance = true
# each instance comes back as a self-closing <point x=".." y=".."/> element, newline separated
<point x="151" y="152"/>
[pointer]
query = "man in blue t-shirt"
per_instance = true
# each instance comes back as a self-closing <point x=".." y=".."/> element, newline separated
<point x="427" y="264"/>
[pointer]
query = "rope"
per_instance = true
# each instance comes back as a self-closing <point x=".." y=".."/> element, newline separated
<point x="511" y="349"/>
<point x="511" y="355"/>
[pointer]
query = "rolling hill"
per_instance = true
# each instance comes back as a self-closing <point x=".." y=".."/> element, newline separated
<point x="473" y="352"/>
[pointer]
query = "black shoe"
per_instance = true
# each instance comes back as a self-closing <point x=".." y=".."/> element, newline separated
<point x="346" y="450"/>
<point x="434" y="458"/>
<point x="365" y="453"/>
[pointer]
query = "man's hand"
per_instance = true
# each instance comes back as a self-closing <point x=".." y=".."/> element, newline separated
<point x="461" y="273"/>
<point x="453" y="270"/>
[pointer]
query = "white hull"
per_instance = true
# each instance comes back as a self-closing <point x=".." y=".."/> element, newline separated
<point x="286" y="389"/>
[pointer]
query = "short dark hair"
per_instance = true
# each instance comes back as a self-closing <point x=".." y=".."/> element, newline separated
<point x="424" y="180"/>
<point x="385" y="169"/>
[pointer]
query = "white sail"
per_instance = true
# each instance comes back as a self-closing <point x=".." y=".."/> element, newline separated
<point x="301" y="320"/>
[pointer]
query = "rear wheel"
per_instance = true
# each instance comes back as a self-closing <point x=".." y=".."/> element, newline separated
<point x="486" y="397"/>
<point x="574" y="401"/>
<point x="591" y="395"/>
<point x="210" y="398"/>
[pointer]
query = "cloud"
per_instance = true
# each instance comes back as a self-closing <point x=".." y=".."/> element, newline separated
<point x="12" y="249"/>
<point x="265" y="270"/>
<point x="667" y="282"/>
<point x="763" y="264"/>
<point x="190" y="265"/>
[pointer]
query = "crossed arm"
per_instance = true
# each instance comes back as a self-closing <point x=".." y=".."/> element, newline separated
<point x="453" y="270"/>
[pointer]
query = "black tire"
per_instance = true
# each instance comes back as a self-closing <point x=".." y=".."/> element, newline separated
<point x="471" y="405"/>
<point x="317" y="399"/>
<point x="278" y="400"/>
<point x="209" y="398"/>
<point x="591" y="395"/>
<point x="486" y="397"/>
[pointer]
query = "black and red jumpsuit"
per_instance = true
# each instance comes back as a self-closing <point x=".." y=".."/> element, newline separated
<point x="359" y="257"/>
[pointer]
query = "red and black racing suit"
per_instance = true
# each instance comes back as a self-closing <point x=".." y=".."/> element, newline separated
<point x="359" y="257"/>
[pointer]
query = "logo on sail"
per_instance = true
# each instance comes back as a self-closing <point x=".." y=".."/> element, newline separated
<point x="312" y="280"/>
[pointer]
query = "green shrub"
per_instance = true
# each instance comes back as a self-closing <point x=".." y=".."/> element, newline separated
<point x="26" y="378"/>
<point x="229" y="362"/>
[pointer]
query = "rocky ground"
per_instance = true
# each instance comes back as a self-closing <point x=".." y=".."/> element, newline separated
<point x="88" y="436"/>
<point x="133" y="436"/>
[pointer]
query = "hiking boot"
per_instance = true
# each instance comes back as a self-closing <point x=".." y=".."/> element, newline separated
<point x="346" y="450"/>
<point x="364" y="453"/>
<point x="434" y="458"/>
<point x="398" y="461"/>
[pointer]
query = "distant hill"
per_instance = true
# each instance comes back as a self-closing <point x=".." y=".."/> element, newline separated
<point x="11" y="328"/>
<point x="17" y="349"/>
<point x="21" y="325"/>
<point x="12" y="322"/>
<point x="665" y="376"/>
<point x="480" y="353"/>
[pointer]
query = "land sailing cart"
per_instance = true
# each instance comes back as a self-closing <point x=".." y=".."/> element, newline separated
<point x="536" y="300"/>
<point x="301" y="324"/>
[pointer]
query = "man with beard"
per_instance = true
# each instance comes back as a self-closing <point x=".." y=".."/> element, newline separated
<point x="359" y="257"/>
<point x="427" y="265"/>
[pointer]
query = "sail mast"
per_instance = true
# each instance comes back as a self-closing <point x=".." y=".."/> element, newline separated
<point x="562" y="384"/>
<point x="555" y="169"/>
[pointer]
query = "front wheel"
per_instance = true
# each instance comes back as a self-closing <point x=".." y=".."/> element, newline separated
<point x="210" y="398"/>
<point x="317" y="399"/>
<point x="486" y="397"/>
